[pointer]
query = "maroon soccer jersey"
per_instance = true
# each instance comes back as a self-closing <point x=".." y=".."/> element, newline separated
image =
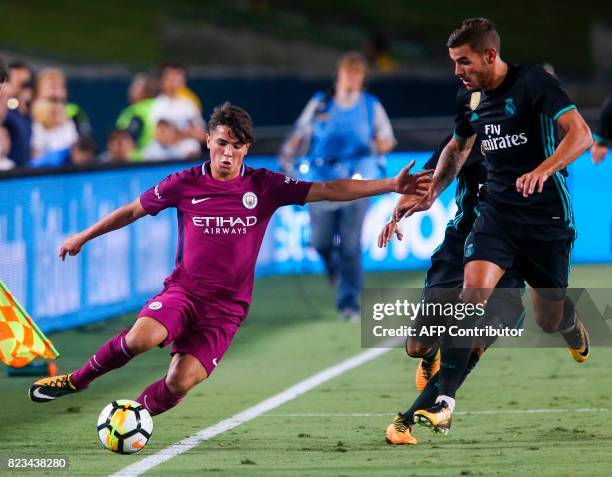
<point x="221" y="224"/>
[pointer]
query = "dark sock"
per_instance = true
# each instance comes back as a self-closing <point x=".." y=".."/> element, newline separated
<point x="568" y="322"/>
<point x="428" y="396"/>
<point x="431" y="354"/>
<point x="453" y="366"/>
<point x="426" y="399"/>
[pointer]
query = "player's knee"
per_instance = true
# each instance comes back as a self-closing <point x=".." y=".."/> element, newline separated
<point x="139" y="342"/>
<point x="180" y="383"/>
<point x="416" y="349"/>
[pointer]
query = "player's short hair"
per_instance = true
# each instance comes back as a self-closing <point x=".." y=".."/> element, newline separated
<point x="3" y="72"/>
<point x="353" y="59"/>
<point x="478" y="33"/>
<point x="235" y="118"/>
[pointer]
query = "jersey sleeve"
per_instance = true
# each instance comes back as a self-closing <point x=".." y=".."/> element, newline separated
<point x="463" y="128"/>
<point x="546" y="95"/>
<point x="604" y="125"/>
<point x="285" y="190"/>
<point x="165" y="194"/>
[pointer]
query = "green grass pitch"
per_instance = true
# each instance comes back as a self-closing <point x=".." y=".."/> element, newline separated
<point x="292" y="333"/>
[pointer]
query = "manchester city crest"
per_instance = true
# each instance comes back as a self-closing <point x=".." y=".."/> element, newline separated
<point x="249" y="200"/>
<point x="510" y="107"/>
<point x="474" y="100"/>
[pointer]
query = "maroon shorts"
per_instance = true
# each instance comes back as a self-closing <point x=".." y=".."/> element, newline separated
<point x="202" y="326"/>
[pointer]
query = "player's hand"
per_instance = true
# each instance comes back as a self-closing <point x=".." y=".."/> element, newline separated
<point x="598" y="153"/>
<point x="406" y="183"/>
<point x="386" y="234"/>
<point x="406" y="207"/>
<point x="422" y="203"/>
<point x="531" y="182"/>
<point x="71" y="246"/>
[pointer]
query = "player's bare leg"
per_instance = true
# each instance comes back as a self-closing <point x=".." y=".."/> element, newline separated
<point x="184" y="373"/>
<point x="560" y="315"/>
<point x="145" y="334"/>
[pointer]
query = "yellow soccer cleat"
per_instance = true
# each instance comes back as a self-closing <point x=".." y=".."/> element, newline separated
<point x="48" y="389"/>
<point x="425" y="370"/>
<point x="580" y="353"/>
<point x="438" y="417"/>
<point x="398" y="433"/>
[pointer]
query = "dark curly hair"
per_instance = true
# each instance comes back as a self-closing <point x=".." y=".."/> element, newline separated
<point x="235" y="118"/>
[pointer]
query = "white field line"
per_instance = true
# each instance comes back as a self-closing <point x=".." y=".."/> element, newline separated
<point x="149" y="462"/>
<point x="458" y="413"/>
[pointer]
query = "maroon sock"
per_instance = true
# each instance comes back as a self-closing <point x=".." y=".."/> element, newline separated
<point x="112" y="355"/>
<point x="158" y="398"/>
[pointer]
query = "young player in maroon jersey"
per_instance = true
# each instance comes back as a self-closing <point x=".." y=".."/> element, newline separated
<point x="223" y="210"/>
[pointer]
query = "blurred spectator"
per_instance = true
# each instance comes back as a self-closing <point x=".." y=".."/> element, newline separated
<point x="51" y="84"/>
<point x="53" y="133"/>
<point x="5" y="145"/>
<point x="171" y="106"/>
<point x="83" y="152"/>
<point x="169" y="145"/>
<point x="15" y="114"/>
<point x="119" y="147"/>
<point x="136" y="119"/>
<point x="603" y="137"/>
<point x="339" y="135"/>
<point x="188" y="94"/>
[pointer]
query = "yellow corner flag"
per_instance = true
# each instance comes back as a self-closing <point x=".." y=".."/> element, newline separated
<point x="20" y="339"/>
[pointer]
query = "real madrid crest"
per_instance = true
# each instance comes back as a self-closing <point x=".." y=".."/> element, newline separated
<point x="249" y="200"/>
<point x="474" y="100"/>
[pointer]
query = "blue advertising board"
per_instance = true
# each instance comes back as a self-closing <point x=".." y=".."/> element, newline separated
<point x="119" y="271"/>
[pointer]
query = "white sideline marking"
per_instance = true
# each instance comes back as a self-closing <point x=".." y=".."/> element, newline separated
<point x="459" y="413"/>
<point x="149" y="462"/>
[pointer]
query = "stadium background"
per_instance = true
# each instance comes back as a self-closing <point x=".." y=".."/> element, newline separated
<point x="269" y="57"/>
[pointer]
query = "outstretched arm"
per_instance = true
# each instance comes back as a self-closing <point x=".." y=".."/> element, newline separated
<point x="115" y="220"/>
<point x="351" y="189"/>
<point x="451" y="160"/>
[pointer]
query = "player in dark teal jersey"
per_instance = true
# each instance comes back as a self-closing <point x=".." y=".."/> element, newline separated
<point x="446" y="272"/>
<point x="525" y="216"/>
<point x="603" y="136"/>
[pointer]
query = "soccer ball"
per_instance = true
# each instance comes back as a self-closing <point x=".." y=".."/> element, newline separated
<point x="124" y="426"/>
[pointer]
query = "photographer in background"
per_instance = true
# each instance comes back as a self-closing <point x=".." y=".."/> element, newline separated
<point x="341" y="135"/>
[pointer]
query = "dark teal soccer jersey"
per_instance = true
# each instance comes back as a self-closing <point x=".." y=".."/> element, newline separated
<point x="516" y="126"/>
<point x="469" y="179"/>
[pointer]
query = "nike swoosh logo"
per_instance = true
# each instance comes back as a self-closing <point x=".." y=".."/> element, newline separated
<point x="40" y="395"/>
<point x="197" y="201"/>
<point x="215" y="361"/>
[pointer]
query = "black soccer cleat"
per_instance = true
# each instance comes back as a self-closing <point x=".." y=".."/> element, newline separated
<point x="48" y="389"/>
